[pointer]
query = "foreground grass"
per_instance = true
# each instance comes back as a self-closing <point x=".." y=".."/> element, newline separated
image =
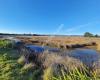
<point x="11" y="70"/>
<point x="9" y="67"/>
<point x="72" y="75"/>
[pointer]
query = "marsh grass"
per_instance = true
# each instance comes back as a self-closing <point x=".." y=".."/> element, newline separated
<point x="76" y="74"/>
<point x="6" y="44"/>
<point x="67" y="68"/>
<point x="9" y="67"/>
<point x="11" y="70"/>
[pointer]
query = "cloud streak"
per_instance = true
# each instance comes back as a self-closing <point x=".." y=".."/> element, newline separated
<point x="75" y="28"/>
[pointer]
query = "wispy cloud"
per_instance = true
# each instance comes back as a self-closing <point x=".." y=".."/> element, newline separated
<point x="75" y="28"/>
<point x="59" y="28"/>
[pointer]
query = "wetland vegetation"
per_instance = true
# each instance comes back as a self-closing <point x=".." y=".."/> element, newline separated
<point x="17" y="61"/>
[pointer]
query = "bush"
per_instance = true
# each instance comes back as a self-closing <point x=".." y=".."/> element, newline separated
<point x="96" y="35"/>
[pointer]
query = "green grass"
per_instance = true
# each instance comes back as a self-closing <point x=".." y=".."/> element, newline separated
<point x="10" y="69"/>
<point x="72" y="75"/>
<point x="6" y="44"/>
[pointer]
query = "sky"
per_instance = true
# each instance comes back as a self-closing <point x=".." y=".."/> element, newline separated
<point x="50" y="16"/>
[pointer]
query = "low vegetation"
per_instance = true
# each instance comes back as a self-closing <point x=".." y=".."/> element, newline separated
<point x="73" y="75"/>
<point x="48" y="66"/>
<point x="10" y="69"/>
<point x="6" y="44"/>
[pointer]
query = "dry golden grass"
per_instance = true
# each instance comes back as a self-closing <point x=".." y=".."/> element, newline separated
<point x="59" y="41"/>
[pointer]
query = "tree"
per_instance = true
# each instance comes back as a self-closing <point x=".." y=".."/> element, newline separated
<point x="96" y="35"/>
<point x="88" y="34"/>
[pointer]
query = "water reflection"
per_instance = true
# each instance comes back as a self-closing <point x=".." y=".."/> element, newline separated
<point x="87" y="56"/>
<point x="40" y="49"/>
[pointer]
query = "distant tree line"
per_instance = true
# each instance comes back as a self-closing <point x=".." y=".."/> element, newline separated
<point x="25" y="34"/>
<point x="88" y="34"/>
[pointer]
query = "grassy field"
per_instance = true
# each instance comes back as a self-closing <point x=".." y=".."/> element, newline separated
<point x="60" y="42"/>
<point x="47" y="66"/>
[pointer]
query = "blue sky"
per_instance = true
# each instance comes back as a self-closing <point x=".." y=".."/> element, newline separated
<point x="50" y="16"/>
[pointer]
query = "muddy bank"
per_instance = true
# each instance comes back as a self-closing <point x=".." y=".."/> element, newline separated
<point x="74" y="46"/>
